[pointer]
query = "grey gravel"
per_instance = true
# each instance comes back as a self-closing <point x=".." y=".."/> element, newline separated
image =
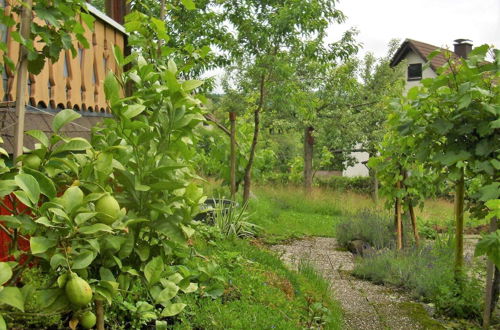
<point x="365" y="305"/>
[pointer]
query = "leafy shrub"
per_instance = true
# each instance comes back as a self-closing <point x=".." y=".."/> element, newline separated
<point x="428" y="273"/>
<point x="357" y="184"/>
<point x="367" y="225"/>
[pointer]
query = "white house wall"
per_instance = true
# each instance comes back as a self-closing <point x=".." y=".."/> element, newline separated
<point x="359" y="169"/>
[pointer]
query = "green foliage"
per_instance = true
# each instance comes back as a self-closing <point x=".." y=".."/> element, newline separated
<point x="65" y="233"/>
<point x="340" y="183"/>
<point x="367" y="225"/>
<point x="446" y="125"/>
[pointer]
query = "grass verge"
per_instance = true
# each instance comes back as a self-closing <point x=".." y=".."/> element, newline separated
<point x="261" y="292"/>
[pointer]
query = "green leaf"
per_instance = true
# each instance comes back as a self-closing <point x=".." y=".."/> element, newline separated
<point x="57" y="260"/>
<point x="81" y="218"/>
<point x="64" y="117"/>
<point x="189" y="4"/>
<point x="5" y="273"/>
<point x="40" y="136"/>
<point x="111" y="88"/>
<point x="3" y="325"/>
<point x="133" y="110"/>
<point x="41" y="244"/>
<point x="191" y="84"/>
<point x="74" y="144"/>
<point x="88" y="19"/>
<point x="47" y="187"/>
<point x="490" y="245"/>
<point x="170" y="290"/>
<point x="192" y="287"/>
<point x="464" y="101"/>
<point x="83" y="260"/>
<point x="29" y="185"/>
<point x="98" y="227"/>
<point x="173" y="309"/>
<point x="153" y="270"/>
<point x="172" y="67"/>
<point x="12" y="296"/>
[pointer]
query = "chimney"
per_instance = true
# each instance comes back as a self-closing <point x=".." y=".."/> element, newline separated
<point x="463" y="47"/>
<point x="116" y="9"/>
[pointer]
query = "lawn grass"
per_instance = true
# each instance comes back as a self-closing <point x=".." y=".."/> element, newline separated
<point x="261" y="293"/>
<point x="286" y="212"/>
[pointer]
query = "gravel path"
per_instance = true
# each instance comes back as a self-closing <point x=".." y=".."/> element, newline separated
<point x="365" y="305"/>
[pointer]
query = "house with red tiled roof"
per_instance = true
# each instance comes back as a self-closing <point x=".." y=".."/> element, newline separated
<point x="415" y="53"/>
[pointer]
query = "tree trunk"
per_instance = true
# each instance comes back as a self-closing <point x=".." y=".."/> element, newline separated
<point x="491" y="291"/>
<point x="232" y="170"/>
<point x="99" y="312"/>
<point x="22" y="81"/>
<point x="459" y="226"/>
<point x="374" y="181"/>
<point x="308" y="158"/>
<point x="256" y="118"/>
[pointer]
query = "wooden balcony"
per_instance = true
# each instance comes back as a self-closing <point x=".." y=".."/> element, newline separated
<point x="74" y="83"/>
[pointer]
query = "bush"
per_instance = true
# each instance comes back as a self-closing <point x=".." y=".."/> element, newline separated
<point x="357" y="184"/>
<point x="428" y="273"/>
<point x="372" y="227"/>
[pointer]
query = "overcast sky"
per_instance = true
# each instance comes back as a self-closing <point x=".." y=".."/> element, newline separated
<point x="437" y="22"/>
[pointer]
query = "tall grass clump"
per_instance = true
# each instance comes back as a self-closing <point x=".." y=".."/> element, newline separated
<point x="370" y="226"/>
<point x="428" y="273"/>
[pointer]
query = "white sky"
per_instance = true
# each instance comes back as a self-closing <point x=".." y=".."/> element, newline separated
<point x="437" y="22"/>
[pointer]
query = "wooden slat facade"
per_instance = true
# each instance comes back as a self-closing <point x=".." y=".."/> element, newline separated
<point x="75" y="83"/>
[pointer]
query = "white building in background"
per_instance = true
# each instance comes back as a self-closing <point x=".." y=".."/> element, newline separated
<point x="415" y="54"/>
<point x="359" y="168"/>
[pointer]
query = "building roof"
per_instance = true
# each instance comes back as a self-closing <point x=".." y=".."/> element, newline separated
<point x="423" y="50"/>
<point x="42" y="120"/>
<point x="105" y="18"/>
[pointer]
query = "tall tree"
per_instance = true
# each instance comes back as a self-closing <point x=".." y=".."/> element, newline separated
<point x="264" y="32"/>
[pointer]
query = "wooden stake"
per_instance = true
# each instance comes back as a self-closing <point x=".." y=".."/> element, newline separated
<point x="232" y="119"/>
<point x="459" y="226"/>
<point x="399" y="221"/>
<point x="490" y="272"/>
<point x="414" y="223"/>
<point x="22" y="80"/>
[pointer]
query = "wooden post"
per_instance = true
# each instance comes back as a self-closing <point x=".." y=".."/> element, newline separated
<point x="232" y="119"/>
<point x="22" y="80"/>
<point x="459" y="226"/>
<point x="489" y="291"/>
<point x="414" y="223"/>
<point x="411" y="211"/>
<point x="399" y="221"/>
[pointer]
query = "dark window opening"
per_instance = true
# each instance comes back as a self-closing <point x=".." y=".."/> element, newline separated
<point x="415" y="71"/>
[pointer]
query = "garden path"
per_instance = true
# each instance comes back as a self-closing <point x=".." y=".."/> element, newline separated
<point x="365" y="305"/>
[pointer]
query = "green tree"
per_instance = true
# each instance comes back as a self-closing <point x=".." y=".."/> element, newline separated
<point x="264" y="33"/>
<point x="451" y="123"/>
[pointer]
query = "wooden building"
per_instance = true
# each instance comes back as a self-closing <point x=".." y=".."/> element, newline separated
<point x="72" y="82"/>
